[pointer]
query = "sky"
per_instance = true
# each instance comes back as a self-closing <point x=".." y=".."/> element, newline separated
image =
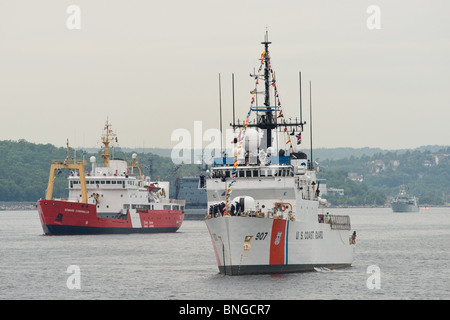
<point x="380" y="78"/>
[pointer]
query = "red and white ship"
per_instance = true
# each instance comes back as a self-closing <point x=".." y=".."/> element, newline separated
<point x="112" y="198"/>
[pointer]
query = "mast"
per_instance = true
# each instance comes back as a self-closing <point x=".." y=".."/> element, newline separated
<point x="268" y="121"/>
<point x="105" y="141"/>
<point x="269" y="125"/>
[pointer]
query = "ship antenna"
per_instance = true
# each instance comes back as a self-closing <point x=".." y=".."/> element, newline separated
<point x="232" y="85"/>
<point x="310" y="124"/>
<point x="67" y="149"/>
<point x="300" y="90"/>
<point x="67" y="157"/>
<point x="220" y="117"/>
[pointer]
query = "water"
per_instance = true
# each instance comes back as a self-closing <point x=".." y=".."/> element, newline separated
<point x="410" y="249"/>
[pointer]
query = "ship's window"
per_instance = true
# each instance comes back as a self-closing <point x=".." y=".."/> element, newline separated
<point x="227" y="173"/>
<point x="255" y="173"/>
<point x="102" y="182"/>
<point x="114" y="182"/>
<point x="97" y="182"/>
<point x="166" y="207"/>
<point x="248" y="174"/>
<point x="241" y="173"/>
<point x="175" y="208"/>
<point x="108" y="182"/>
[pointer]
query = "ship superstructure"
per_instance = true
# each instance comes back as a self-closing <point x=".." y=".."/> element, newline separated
<point x="113" y="197"/>
<point x="264" y="201"/>
<point x="404" y="202"/>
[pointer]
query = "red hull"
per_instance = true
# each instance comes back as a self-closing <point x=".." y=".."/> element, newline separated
<point x="62" y="217"/>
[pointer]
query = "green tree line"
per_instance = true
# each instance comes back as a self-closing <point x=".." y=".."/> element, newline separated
<point x="425" y="174"/>
<point x="25" y="168"/>
<point x="355" y="194"/>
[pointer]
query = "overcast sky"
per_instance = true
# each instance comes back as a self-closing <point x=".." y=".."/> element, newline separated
<point x="152" y="67"/>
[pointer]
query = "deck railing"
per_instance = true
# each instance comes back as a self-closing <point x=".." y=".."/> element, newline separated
<point x="339" y="222"/>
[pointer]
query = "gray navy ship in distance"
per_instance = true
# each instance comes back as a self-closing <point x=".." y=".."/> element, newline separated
<point x="404" y="202"/>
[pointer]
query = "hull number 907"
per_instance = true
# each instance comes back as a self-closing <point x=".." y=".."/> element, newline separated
<point x="261" y="236"/>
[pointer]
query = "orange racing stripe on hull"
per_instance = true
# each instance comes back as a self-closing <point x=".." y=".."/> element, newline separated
<point x="278" y="242"/>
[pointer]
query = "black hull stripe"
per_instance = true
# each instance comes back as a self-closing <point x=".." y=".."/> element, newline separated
<point x="78" y="230"/>
<point x="279" y="268"/>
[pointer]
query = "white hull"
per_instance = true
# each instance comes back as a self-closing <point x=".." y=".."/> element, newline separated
<point x="252" y="245"/>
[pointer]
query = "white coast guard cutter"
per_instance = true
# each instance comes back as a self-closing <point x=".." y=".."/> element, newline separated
<point x="269" y="220"/>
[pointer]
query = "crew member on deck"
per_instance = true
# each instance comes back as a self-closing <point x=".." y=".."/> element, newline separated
<point x="353" y="238"/>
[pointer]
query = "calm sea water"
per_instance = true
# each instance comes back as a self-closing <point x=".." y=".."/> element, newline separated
<point x="411" y="250"/>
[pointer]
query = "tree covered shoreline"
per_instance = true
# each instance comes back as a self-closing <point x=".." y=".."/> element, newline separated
<point x="367" y="180"/>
